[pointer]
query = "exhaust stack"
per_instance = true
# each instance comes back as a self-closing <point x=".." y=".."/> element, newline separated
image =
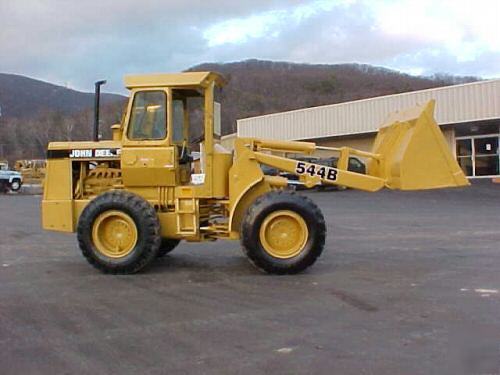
<point x="97" y="97"/>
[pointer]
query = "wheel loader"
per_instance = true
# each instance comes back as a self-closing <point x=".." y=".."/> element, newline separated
<point x="135" y="197"/>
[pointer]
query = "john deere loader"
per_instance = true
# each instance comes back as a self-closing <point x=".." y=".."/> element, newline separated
<point x="135" y="197"/>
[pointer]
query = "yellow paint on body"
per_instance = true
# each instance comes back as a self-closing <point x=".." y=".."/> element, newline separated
<point x="409" y="153"/>
<point x="114" y="234"/>
<point x="283" y="234"/>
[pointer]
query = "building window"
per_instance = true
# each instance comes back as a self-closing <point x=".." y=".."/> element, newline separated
<point x="478" y="155"/>
<point x="486" y="156"/>
<point x="464" y="155"/>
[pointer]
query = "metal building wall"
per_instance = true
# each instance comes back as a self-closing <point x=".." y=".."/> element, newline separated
<point x="454" y="104"/>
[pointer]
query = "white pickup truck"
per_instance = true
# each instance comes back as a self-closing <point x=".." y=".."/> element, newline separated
<point x="9" y="180"/>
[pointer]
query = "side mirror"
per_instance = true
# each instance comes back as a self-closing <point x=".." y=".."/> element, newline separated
<point x="116" y="131"/>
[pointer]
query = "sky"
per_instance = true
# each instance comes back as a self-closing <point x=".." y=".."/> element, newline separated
<point x="76" y="42"/>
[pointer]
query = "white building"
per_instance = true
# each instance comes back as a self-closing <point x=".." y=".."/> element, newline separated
<point x="468" y="114"/>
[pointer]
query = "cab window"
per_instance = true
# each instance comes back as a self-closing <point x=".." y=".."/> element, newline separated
<point x="178" y="120"/>
<point x="148" y="119"/>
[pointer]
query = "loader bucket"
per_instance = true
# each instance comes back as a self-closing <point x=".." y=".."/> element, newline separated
<point x="414" y="154"/>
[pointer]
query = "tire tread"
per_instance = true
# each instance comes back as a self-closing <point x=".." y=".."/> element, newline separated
<point x="134" y="204"/>
<point x="264" y="202"/>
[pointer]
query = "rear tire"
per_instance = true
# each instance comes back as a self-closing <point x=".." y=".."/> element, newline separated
<point x="119" y="233"/>
<point x="283" y="233"/>
<point x="166" y="246"/>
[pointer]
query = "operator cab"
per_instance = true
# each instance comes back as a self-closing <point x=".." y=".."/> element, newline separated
<point x="169" y="117"/>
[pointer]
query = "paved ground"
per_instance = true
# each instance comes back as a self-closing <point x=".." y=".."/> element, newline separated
<point x="409" y="284"/>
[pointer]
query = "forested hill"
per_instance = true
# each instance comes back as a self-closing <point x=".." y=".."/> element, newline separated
<point x="23" y="97"/>
<point x="261" y="87"/>
<point x="36" y="112"/>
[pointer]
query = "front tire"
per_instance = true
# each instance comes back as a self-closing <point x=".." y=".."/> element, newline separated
<point x="119" y="233"/>
<point x="283" y="233"/>
<point x="15" y="185"/>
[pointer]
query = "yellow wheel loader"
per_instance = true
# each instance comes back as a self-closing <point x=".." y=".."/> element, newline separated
<point x="133" y="198"/>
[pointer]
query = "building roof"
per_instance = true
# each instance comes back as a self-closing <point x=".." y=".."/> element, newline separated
<point x="173" y="79"/>
<point x="454" y="104"/>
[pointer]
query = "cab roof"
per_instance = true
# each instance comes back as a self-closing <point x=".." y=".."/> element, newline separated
<point x="173" y="80"/>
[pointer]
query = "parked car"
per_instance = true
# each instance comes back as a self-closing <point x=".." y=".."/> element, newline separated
<point x="269" y="171"/>
<point x="9" y="180"/>
<point x="354" y="165"/>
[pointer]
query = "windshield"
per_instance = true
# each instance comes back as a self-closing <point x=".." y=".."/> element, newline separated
<point x="148" y="119"/>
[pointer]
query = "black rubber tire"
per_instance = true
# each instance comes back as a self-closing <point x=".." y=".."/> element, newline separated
<point x="13" y="187"/>
<point x="282" y="200"/>
<point x="166" y="246"/>
<point x="148" y="228"/>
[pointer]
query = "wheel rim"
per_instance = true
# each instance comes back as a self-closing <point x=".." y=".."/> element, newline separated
<point x="283" y="234"/>
<point x="15" y="185"/>
<point x="114" y="234"/>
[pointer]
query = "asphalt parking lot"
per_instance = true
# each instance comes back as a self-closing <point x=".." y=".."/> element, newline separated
<point x="409" y="283"/>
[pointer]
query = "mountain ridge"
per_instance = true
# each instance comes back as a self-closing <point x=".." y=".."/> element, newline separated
<point x="22" y="96"/>
<point x="259" y="87"/>
<point x="35" y="112"/>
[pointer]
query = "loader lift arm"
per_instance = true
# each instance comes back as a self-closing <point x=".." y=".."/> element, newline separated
<point x="312" y="174"/>
<point x="409" y="153"/>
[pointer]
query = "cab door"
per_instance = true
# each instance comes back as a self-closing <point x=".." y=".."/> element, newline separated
<point x="148" y="157"/>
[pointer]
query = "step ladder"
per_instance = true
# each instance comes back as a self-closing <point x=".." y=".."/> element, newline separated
<point x="187" y="213"/>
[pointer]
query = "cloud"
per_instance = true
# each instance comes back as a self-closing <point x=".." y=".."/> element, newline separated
<point x="418" y="37"/>
<point x="273" y="23"/>
<point x="344" y="33"/>
<point x="78" y="42"/>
